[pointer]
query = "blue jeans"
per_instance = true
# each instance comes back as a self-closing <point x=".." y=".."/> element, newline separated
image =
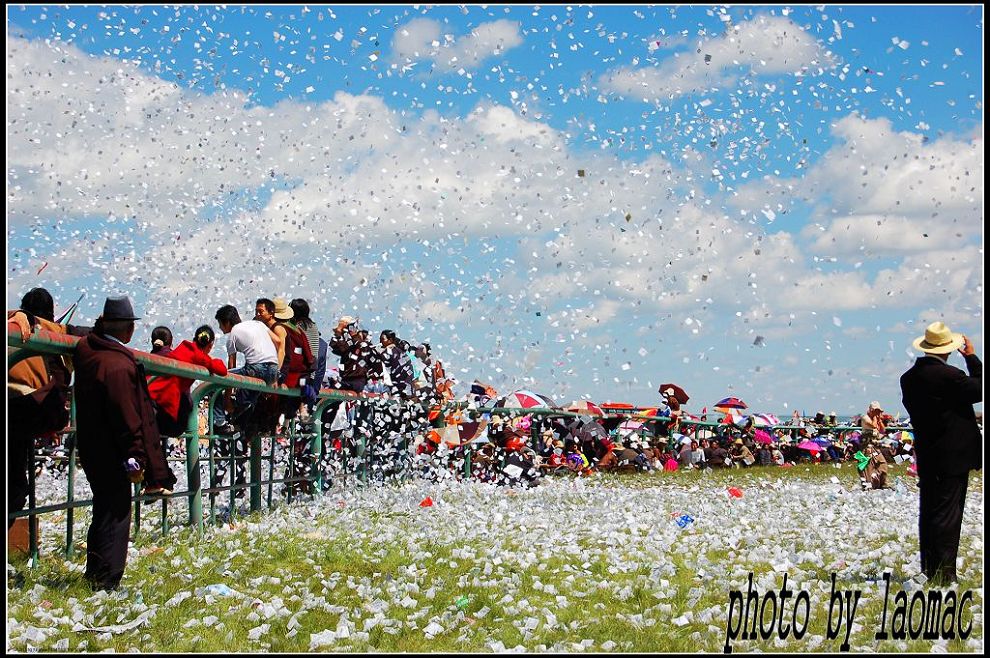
<point x="245" y="399"/>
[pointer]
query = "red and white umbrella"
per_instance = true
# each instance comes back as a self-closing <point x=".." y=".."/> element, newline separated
<point x="584" y="407"/>
<point x="526" y="400"/>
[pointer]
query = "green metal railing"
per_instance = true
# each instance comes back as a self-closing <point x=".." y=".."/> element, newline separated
<point x="44" y="342"/>
<point x="211" y="387"/>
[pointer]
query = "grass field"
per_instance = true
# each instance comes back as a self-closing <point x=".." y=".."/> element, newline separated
<point x="597" y="564"/>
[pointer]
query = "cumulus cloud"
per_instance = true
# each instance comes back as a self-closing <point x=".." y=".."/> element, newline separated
<point x="885" y="192"/>
<point x="422" y="39"/>
<point x="479" y="221"/>
<point x="765" y="45"/>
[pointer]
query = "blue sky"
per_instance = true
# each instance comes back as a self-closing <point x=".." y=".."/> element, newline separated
<point x="768" y="202"/>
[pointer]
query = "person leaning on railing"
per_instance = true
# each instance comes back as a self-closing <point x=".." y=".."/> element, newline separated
<point x="37" y="391"/>
<point x="117" y="437"/>
<point x="171" y="393"/>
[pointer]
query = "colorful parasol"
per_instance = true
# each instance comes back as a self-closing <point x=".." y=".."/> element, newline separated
<point x="726" y="405"/>
<point x="765" y="420"/>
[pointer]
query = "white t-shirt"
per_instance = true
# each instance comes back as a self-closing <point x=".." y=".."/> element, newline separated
<point x="251" y="338"/>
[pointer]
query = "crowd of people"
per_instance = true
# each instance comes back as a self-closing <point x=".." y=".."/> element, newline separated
<point x="125" y="417"/>
<point x="544" y="443"/>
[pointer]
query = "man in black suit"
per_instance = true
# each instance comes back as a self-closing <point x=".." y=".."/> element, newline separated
<point x="939" y="398"/>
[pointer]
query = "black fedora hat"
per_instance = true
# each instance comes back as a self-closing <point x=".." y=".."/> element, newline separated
<point x="118" y="308"/>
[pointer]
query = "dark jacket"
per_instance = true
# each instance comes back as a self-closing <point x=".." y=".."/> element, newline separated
<point x="940" y="398"/>
<point x="356" y="359"/>
<point x="115" y="418"/>
<point x="400" y="370"/>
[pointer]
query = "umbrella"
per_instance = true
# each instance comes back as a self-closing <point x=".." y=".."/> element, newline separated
<point x="612" y="407"/>
<point x="460" y="430"/>
<point x="822" y="441"/>
<point x="810" y="446"/>
<point x="653" y="412"/>
<point x="765" y="420"/>
<point x="733" y="418"/>
<point x="762" y="437"/>
<point x="67" y="315"/>
<point x="727" y="404"/>
<point x="630" y="428"/>
<point x="679" y="393"/>
<point x="584" y="407"/>
<point x="525" y="400"/>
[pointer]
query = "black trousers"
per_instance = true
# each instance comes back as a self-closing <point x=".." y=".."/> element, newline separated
<point x="943" y="498"/>
<point x="17" y="464"/>
<point x="109" y="532"/>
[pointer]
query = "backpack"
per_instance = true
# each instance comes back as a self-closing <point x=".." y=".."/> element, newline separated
<point x="298" y="356"/>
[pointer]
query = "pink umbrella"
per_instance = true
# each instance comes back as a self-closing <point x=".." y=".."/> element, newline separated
<point x="810" y="446"/>
<point x="762" y="437"/>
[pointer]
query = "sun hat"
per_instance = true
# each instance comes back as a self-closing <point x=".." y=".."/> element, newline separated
<point x="282" y="309"/>
<point x="875" y="405"/>
<point x="118" y="308"/>
<point x="739" y="442"/>
<point x="938" y="339"/>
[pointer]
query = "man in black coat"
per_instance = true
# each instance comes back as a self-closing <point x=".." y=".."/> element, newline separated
<point x="118" y="438"/>
<point x="939" y="398"/>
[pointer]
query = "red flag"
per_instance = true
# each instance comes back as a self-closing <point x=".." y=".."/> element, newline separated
<point x="426" y="502"/>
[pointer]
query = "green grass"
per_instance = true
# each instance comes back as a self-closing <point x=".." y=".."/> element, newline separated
<point x="335" y="567"/>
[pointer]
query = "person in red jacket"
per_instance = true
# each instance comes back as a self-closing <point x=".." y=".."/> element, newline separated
<point x="171" y="393"/>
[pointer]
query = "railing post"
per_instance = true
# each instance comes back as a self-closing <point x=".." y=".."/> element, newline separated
<point x="32" y="501"/>
<point x="272" y="445"/>
<point x="290" y="463"/>
<point x="317" y="444"/>
<point x="70" y="476"/>
<point x="195" y="485"/>
<point x="255" y="459"/>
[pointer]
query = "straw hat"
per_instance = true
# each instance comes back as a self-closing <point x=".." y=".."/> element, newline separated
<point x="282" y="309"/>
<point x="938" y="339"/>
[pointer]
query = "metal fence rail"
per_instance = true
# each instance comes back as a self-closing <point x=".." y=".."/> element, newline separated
<point x="212" y="386"/>
<point x="44" y="342"/>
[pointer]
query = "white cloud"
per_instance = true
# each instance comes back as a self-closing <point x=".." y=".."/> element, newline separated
<point x="879" y="234"/>
<point x="421" y="39"/>
<point x="215" y="202"/>
<point x="765" y="45"/>
<point x="880" y="191"/>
